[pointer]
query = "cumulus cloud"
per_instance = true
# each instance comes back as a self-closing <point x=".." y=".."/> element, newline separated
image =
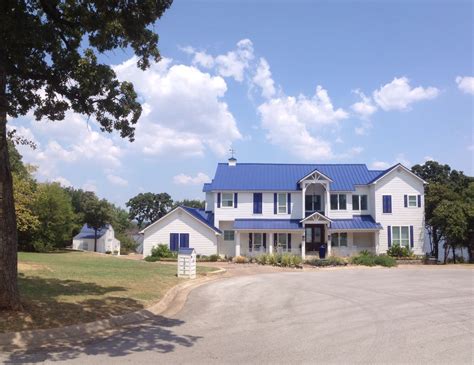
<point x="183" y="179"/>
<point x="116" y="180"/>
<point x="288" y="121"/>
<point x="263" y="79"/>
<point x="62" y="180"/>
<point x="382" y="165"/>
<point x="365" y="107"/>
<point x="89" y="185"/>
<point x="184" y="112"/>
<point x="398" y="94"/>
<point x="465" y="84"/>
<point x="379" y="165"/>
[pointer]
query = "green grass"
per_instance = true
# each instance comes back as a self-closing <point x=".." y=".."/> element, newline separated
<point x="66" y="287"/>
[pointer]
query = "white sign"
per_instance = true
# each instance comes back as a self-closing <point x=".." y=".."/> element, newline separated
<point x="187" y="263"/>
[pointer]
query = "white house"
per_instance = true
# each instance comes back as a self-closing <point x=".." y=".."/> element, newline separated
<point x="106" y="241"/>
<point x="253" y="208"/>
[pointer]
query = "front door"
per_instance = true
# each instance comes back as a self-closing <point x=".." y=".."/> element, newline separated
<point x="314" y="236"/>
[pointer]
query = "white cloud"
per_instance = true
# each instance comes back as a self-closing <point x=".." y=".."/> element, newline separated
<point x="62" y="180"/>
<point x="288" y="121"/>
<point x="428" y="158"/>
<point x="263" y="79"/>
<point x="363" y="128"/>
<point x="398" y="94"/>
<point x="465" y="84"/>
<point x="89" y="185"/>
<point x="234" y="63"/>
<point x="382" y="165"/>
<point x="199" y="179"/>
<point x="184" y="113"/>
<point x="203" y="59"/>
<point x="365" y="107"/>
<point x="116" y="180"/>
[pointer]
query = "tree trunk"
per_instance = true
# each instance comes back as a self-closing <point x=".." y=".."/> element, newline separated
<point x="454" y="253"/>
<point x="446" y="252"/>
<point x="95" y="239"/>
<point x="9" y="294"/>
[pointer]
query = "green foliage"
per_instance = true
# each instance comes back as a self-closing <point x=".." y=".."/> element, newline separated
<point x="240" y="260"/>
<point x="370" y="259"/>
<point x="162" y="251"/>
<point x="330" y="261"/>
<point x="192" y="203"/>
<point x="399" y="251"/>
<point x="54" y="211"/>
<point x="146" y="208"/>
<point x="277" y="259"/>
<point x="127" y="244"/>
<point x="214" y="258"/>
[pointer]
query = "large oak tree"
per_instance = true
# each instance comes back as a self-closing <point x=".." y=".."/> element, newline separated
<point x="49" y="64"/>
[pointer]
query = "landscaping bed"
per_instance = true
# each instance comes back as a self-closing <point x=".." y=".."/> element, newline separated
<point x="67" y="287"/>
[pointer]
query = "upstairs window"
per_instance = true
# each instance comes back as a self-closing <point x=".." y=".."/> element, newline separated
<point x="312" y="203"/>
<point x="338" y="202"/>
<point x="282" y="200"/>
<point x="412" y="201"/>
<point x="227" y="200"/>
<point x="359" y="202"/>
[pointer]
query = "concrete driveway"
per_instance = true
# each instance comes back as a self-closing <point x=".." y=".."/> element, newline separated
<point x="419" y="315"/>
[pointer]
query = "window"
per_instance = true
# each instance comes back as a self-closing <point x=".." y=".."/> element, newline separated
<point x="227" y="200"/>
<point x="400" y="235"/>
<point x="282" y="241"/>
<point x="412" y="201"/>
<point x="338" y="202"/>
<point x="339" y="239"/>
<point x="281" y="203"/>
<point x="387" y="203"/>
<point x="359" y="202"/>
<point x="257" y="241"/>
<point x="312" y="203"/>
<point x="257" y="203"/>
<point x="355" y="202"/>
<point x="85" y="246"/>
<point x="309" y="234"/>
<point x="229" y="235"/>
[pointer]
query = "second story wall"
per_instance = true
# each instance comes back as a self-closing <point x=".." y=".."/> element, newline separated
<point x="245" y="204"/>
<point x="351" y="209"/>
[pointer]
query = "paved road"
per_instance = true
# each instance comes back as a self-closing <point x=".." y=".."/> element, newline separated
<point x="418" y="316"/>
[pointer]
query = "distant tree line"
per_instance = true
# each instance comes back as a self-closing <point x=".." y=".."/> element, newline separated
<point x="449" y="208"/>
<point x="50" y="215"/>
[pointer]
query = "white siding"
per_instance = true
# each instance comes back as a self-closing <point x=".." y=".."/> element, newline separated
<point x="349" y="212"/>
<point x="245" y="208"/>
<point x="397" y="184"/>
<point x="209" y="201"/>
<point x="201" y="238"/>
<point x="107" y="242"/>
<point x="226" y="248"/>
<point x="244" y="244"/>
<point x="356" y="242"/>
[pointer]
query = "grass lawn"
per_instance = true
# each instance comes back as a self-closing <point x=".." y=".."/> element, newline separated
<point x="64" y="288"/>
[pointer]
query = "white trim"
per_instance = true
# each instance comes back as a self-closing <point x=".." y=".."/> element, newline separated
<point x="400" y="239"/>
<point x="393" y="168"/>
<point x="174" y="210"/>
<point x="313" y="172"/>
<point x="318" y="215"/>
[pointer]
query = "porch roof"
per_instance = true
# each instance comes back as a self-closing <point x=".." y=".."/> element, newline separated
<point x="267" y="224"/>
<point x="358" y="222"/>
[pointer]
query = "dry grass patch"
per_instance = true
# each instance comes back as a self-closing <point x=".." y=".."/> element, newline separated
<point x="65" y="288"/>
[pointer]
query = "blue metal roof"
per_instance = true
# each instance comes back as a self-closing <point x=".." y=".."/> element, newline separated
<point x="207" y="187"/>
<point x="362" y="222"/>
<point x="257" y="224"/>
<point x="205" y="217"/>
<point x="88" y="232"/>
<point x="285" y="177"/>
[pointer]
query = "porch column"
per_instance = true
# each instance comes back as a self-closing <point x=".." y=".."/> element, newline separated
<point x="303" y="213"/>
<point x="328" y="237"/>
<point x="303" y="247"/>
<point x="327" y="202"/>
<point x="377" y="248"/>
<point x="237" y="243"/>
<point x="270" y="242"/>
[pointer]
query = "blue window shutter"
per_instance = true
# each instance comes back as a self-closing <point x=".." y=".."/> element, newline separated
<point x="389" y="204"/>
<point x="257" y="203"/>
<point x="236" y="195"/>
<point x="275" y="198"/>
<point x="250" y="241"/>
<point x="265" y="241"/>
<point x="275" y="239"/>
<point x="385" y="203"/>
<point x="411" y="237"/>
<point x="289" y="203"/>
<point x="289" y="241"/>
<point x="405" y="200"/>
<point x="174" y="239"/>
<point x="218" y="200"/>
<point x="389" y="236"/>
<point x="419" y="201"/>
<point x="184" y="240"/>
<point x="255" y="208"/>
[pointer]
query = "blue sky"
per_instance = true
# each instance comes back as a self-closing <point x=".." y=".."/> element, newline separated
<point x="323" y="82"/>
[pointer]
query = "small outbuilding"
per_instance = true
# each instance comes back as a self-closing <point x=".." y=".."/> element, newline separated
<point x="106" y="241"/>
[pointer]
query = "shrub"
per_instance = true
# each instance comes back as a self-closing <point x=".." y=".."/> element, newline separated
<point x="263" y="259"/>
<point x="214" y="258"/>
<point x="297" y="260"/>
<point x="330" y="261"/>
<point x="272" y="260"/>
<point x="369" y="259"/>
<point x="151" y="258"/>
<point x="161" y="251"/>
<point x="399" y="251"/>
<point x="108" y="252"/>
<point x="240" y="260"/>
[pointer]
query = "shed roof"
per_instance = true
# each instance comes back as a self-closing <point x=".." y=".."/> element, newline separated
<point x="88" y="232"/>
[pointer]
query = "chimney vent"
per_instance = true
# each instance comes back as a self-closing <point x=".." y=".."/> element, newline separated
<point x="232" y="161"/>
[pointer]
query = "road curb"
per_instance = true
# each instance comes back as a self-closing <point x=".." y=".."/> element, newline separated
<point x="12" y="341"/>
